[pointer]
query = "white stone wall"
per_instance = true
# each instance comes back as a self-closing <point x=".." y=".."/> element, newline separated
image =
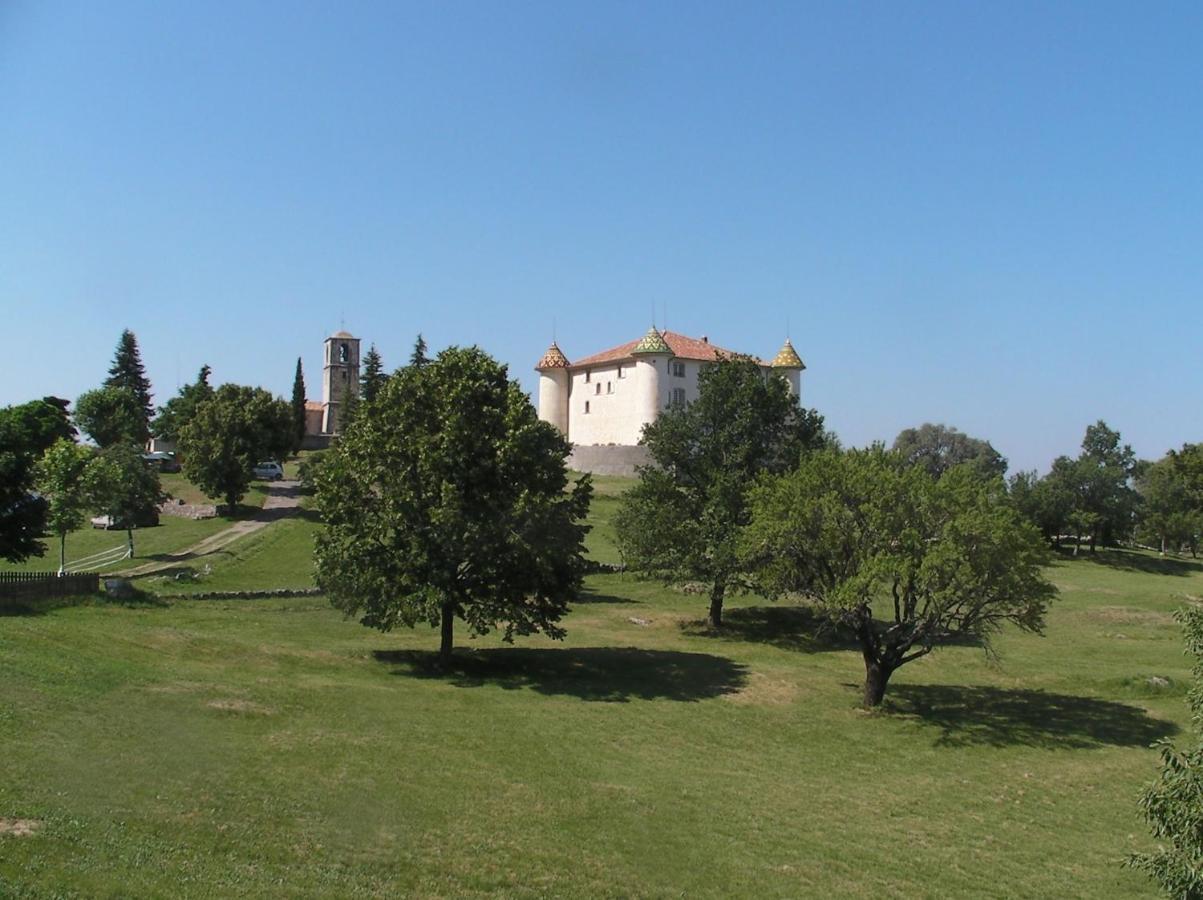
<point x="553" y="398"/>
<point x="618" y="408"/>
<point x="614" y="404"/>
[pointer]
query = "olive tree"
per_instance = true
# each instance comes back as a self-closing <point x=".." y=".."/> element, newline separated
<point x="906" y="562"/>
<point x="448" y="498"/>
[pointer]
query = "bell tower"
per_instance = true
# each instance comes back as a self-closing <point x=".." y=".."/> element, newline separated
<point x="340" y="379"/>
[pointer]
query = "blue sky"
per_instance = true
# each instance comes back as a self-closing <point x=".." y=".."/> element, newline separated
<point x="986" y="215"/>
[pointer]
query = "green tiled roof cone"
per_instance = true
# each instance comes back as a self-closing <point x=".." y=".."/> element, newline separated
<point x="652" y="342"/>
<point x="787" y="358"/>
<point x="554" y="358"/>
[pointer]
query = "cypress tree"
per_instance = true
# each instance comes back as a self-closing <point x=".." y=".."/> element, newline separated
<point x="128" y="373"/>
<point x="373" y="377"/>
<point x="298" y="407"/>
<point x="419" y="357"/>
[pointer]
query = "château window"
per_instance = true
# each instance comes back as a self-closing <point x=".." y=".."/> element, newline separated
<point x="678" y="369"/>
<point x="597" y="388"/>
<point x="609" y="388"/>
<point x="620" y="375"/>
<point x="678" y="398"/>
<point x="586" y="407"/>
<point x="588" y="376"/>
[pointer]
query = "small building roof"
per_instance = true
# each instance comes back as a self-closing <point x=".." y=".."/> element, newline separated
<point x="313" y="406"/>
<point x="678" y="345"/>
<point x="787" y="357"/>
<point x="343" y="334"/>
<point x="554" y="358"/>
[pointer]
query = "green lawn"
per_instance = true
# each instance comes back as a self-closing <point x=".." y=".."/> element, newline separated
<point x="274" y="748"/>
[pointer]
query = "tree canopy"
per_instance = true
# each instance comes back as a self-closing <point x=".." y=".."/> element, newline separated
<point x="111" y="415"/>
<point x="448" y="498"/>
<point x="937" y="448"/>
<point x="180" y="409"/>
<point x="681" y="521"/>
<point x="128" y="373"/>
<point x="59" y="477"/>
<point x="118" y="483"/>
<point x="26" y="432"/>
<point x="905" y="561"/>
<point x="1173" y="805"/>
<point x="229" y="434"/>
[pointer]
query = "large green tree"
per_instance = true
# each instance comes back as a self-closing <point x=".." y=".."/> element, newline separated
<point x="26" y="432"/>
<point x="128" y="373"/>
<point x="939" y="447"/>
<point x="448" y="498"/>
<point x="118" y="483"/>
<point x="1168" y="514"/>
<point x="228" y="434"/>
<point x="298" y="407"/>
<point x="111" y="415"/>
<point x="1173" y="805"/>
<point x="179" y="410"/>
<point x="59" y="478"/>
<point x="904" y="561"/>
<point x="681" y="521"/>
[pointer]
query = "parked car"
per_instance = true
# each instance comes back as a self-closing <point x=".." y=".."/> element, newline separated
<point x="163" y="461"/>
<point x="268" y="471"/>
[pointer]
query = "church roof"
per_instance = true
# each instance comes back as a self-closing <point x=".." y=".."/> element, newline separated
<point x="787" y="358"/>
<point x="342" y="334"/>
<point x="679" y="345"/>
<point x="554" y="358"/>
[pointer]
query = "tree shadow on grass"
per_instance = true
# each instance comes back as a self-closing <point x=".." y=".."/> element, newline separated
<point x="787" y="627"/>
<point x="998" y="717"/>
<point x="1133" y="561"/>
<point x="607" y="674"/>
<point x="588" y="595"/>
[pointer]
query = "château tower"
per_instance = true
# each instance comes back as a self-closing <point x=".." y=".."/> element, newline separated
<point x="340" y="379"/>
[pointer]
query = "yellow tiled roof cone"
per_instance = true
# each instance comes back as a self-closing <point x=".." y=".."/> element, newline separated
<point x="787" y="358"/>
<point x="652" y="342"/>
<point x="554" y="358"/>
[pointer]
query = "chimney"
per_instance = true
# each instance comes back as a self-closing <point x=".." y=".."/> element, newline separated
<point x="705" y="340"/>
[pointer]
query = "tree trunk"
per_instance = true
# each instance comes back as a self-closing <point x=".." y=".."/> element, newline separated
<point x="1163" y="545"/>
<point x="1077" y="543"/>
<point x="1092" y="542"/>
<point x="716" y="605"/>
<point x="129" y="536"/>
<point x="231" y="505"/>
<point x="446" y="633"/>
<point x="62" y="553"/>
<point x="877" y="676"/>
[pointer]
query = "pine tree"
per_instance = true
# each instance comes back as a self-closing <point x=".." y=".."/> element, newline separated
<point x="419" y="357"/>
<point x="298" y="407"/>
<point x="128" y="372"/>
<point x="373" y="377"/>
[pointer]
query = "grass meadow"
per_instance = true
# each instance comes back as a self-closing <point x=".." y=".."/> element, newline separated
<point x="273" y="748"/>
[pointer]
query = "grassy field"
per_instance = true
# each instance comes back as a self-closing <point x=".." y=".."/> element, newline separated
<point x="269" y="748"/>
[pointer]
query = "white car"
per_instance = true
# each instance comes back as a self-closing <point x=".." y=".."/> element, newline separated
<point x="268" y="471"/>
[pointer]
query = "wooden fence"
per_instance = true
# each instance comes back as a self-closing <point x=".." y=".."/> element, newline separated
<point x="33" y="585"/>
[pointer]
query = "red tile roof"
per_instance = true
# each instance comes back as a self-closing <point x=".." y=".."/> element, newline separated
<point x="683" y="347"/>
<point x="313" y="405"/>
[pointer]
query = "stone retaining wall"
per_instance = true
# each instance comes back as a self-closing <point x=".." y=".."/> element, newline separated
<point x="607" y="459"/>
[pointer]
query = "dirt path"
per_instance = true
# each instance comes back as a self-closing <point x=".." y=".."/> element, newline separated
<point x="283" y="500"/>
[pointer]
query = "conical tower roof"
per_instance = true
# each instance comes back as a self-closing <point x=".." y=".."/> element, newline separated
<point x="554" y="358"/>
<point x="787" y="358"/>
<point x="652" y="342"/>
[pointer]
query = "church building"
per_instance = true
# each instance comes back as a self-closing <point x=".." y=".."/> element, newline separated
<point x="601" y="402"/>
<point x="340" y="384"/>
